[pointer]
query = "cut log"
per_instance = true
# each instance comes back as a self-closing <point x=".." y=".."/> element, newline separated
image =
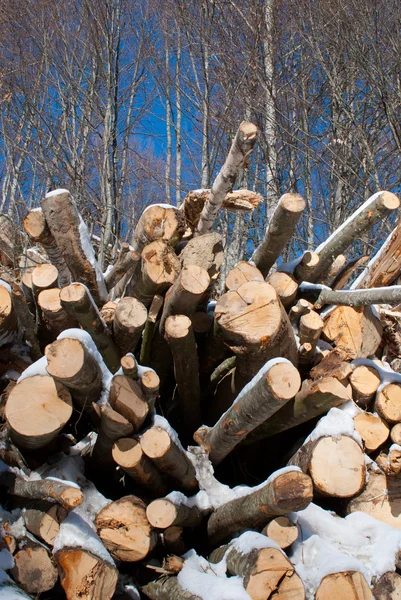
<point x="127" y="261"/>
<point x="355" y="330"/>
<point x="183" y="296"/>
<point x="237" y="200"/>
<point x="284" y="493"/>
<point x="272" y="387"/>
<point x="43" y="489"/>
<point x="380" y="499"/>
<point x="153" y="313"/>
<point x="285" y="286"/>
<point x="204" y="251"/>
<point x="335" y="464"/>
<point x="279" y="231"/>
<point x="37" y="409"/>
<point x="150" y="383"/>
<point x="172" y="540"/>
<point x="314" y="399"/>
<point x="8" y="232"/>
<point x="371" y="212"/>
<point x="126" y="398"/>
<point x="85" y="576"/>
<point x="320" y="297"/>
<point x="242" y="273"/>
<point x="34" y="569"/>
<point x="160" y="268"/>
<point x="8" y="317"/>
<point x="372" y="429"/>
<point x="241" y="147"/>
<point x="347" y="585"/>
<point x="364" y="382"/>
<point x="309" y="329"/>
<point x="72" y="237"/>
<point x="163" y="513"/>
<point x="70" y="363"/>
<point x="26" y="286"/>
<point x="167" y="588"/>
<point x="181" y="339"/>
<point x="390" y="320"/>
<point x="201" y="323"/>
<point x="113" y="426"/>
<point x="124" y="529"/>
<point x="129" y="366"/>
<point x="25" y="320"/>
<point x="77" y="302"/>
<point x="107" y="313"/>
<point x="336" y="267"/>
<point x="346" y="273"/>
<point x="44" y="277"/>
<point x="36" y="227"/>
<point x="55" y="317"/>
<point x="282" y="531"/>
<point x="159" y="223"/>
<point x="255" y="326"/>
<point x="388" y="587"/>
<point x="43" y="521"/>
<point x="390" y="463"/>
<point x="129" y="320"/>
<point x="395" y="434"/>
<point x="302" y="307"/>
<point x="333" y="364"/>
<point x="161" y="448"/>
<point x="266" y="572"/>
<point x="127" y="453"/>
<point x="388" y="403"/>
<point x="307" y="265"/>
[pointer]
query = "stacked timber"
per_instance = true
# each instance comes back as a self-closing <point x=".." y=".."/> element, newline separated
<point x="159" y="440"/>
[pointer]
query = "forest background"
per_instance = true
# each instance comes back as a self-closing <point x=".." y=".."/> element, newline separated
<point x="127" y="103"/>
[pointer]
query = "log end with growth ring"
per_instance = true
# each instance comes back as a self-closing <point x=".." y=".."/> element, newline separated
<point x="57" y="352"/>
<point x="161" y="513"/>
<point x="37" y="409"/>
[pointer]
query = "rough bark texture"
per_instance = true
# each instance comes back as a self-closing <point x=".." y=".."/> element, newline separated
<point x="42" y="489"/>
<point x="55" y="317"/>
<point x="33" y="568"/>
<point x="126" y="262"/>
<point x="205" y="251"/>
<point x="167" y="589"/>
<point x="113" y="426"/>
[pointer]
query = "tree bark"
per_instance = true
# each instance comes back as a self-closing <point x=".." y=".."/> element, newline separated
<point x="287" y="492"/>
<point x="127" y="261"/>
<point x="153" y="313"/>
<point x="34" y="569"/>
<point x="279" y="231"/>
<point x="43" y="520"/>
<point x="8" y="317"/>
<point x="205" y="251"/>
<point x="43" y="489"/>
<point x="242" y="146"/>
<point x="55" y="317"/>
<point x="167" y="589"/>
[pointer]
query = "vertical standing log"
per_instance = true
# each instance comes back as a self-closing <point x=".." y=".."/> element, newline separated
<point x="241" y="273"/>
<point x="128" y="454"/>
<point x="126" y="397"/>
<point x="129" y="321"/>
<point x="113" y="427"/>
<point x="241" y="147"/>
<point x="8" y="316"/>
<point x="7" y="241"/>
<point x="72" y="237"/>
<point x="181" y="338"/>
<point x="44" y="277"/>
<point x="148" y="332"/>
<point x="77" y="302"/>
<point x="279" y="231"/>
<point x="55" y="317"/>
<point x="205" y="251"/>
<point x="127" y="261"/>
<point x="36" y="227"/>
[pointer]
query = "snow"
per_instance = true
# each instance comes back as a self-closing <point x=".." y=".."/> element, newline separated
<point x="207" y="581"/>
<point x="10" y="374"/>
<point x="65" y="482"/>
<point x="108" y="270"/>
<point x="336" y="423"/>
<point x="363" y="206"/>
<point x="89" y="252"/>
<point x="6" y="559"/>
<point x="36" y="368"/>
<point x="210" y="308"/>
<point x="365" y="544"/>
<point x="394" y="447"/>
<point x="57" y="192"/>
<point x="6" y="285"/>
<point x="37" y="209"/>
<point x="76" y="532"/>
<point x="200" y="500"/>
<point x="251" y="540"/>
<point x="385" y="372"/>
<point x="9" y="591"/>
<point x="159" y="421"/>
<point x="86" y="339"/>
<point x="159" y="204"/>
<point x="305" y="285"/>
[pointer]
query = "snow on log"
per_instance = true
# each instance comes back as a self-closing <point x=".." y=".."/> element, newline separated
<point x="167" y="588"/>
<point x="241" y="147"/>
<point x="170" y="511"/>
<point x="159" y="269"/>
<point x="286" y="491"/>
<point x="54" y="315"/>
<point x="72" y="237"/>
<point x="285" y="286"/>
<point x="372" y="211"/>
<point x="127" y="398"/>
<point x="272" y="387"/>
<point x="255" y="326"/>
<point x="37" y="409"/>
<point x="71" y="363"/>
<point x="241" y="273"/>
<point x="128" y="454"/>
<point x="78" y="302"/>
<point x="129" y="320"/>
<point x="264" y="568"/>
<point x="160" y="446"/>
<point x="279" y="231"/>
<point x="125" y="530"/>
<point x="37" y="229"/>
<point x="184" y="295"/>
<point x="382" y="295"/>
<point x="314" y="399"/>
<point x="126" y="262"/>
<point x="180" y="336"/>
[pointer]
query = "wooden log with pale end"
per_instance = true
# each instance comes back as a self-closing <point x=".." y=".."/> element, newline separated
<point x="54" y="314"/>
<point x="165" y="512"/>
<point x="347" y="585"/>
<point x="113" y="427"/>
<point x="129" y="320"/>
<point x="388" y="403"/>
<point x="36" y="411"/>
<point x="373" y="430"/>
<point x="125" y="530"/>
<point x="285" y="286"/>
<point x="270" y="390"/>
<point x="241" y="273"/>
<point x="127" y="398"/>
<point x="43" y="520"/>
<point x="128" y="454"/>
<point x="282" y="531"/>
<point x="34" y="569"/>
<point x="364" y="381"/>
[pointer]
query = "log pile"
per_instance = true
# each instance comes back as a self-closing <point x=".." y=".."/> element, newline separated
<point x="161" y="441"/>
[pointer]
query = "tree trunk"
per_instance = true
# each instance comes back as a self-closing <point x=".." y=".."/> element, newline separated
<point x="113" y="427"/>
<point x="285" y="286"/>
